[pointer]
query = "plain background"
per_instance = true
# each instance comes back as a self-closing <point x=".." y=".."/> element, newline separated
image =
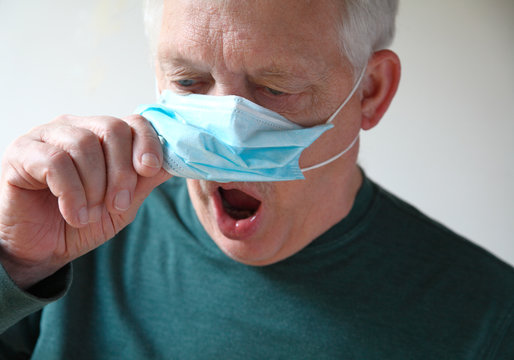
<point x="446" y="145"/>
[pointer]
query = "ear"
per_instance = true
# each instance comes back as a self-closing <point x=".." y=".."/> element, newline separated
<point x="379" y="87"/>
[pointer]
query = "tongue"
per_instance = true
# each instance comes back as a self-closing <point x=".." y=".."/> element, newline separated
<point x="239" y="200"/>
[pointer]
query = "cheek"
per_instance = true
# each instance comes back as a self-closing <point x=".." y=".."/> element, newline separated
<point x="289" y="199"/>
<point x="317" y="151"/>
<point x="333" y="141"/>
<point x="198" y="194"/>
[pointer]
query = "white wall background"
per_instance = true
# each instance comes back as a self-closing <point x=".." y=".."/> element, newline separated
<point x="446" y="145"/>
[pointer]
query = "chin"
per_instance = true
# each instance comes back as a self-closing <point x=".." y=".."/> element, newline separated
<point x="258" y="252"/>
<point x="242" y="219"/>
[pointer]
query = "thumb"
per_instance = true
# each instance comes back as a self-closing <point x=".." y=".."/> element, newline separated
<point x="145" y="185"/>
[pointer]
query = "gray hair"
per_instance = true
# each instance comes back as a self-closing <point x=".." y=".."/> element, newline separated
<point x="367" y="26"/>
<point x="152" y="17"/>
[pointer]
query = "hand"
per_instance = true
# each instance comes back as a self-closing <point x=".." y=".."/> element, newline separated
<point x="69" y="186"/>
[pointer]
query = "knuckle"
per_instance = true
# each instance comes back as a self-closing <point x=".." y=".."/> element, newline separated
<point x="63" y="118"/>
<point x="58" y="160"/>
<point x="15" y="146"/>
<point x="150" y="138"/>
<point x="116" y="127"/>
<point x="58" y="173"/>
<point x="123" y="178"/>
<point x="135" y="119"/>
<point x="71" y="193"/>
<point x="143" y="126"/>
<point x="86" y="141"/>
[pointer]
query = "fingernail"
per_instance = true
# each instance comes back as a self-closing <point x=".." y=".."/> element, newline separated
<point x="150" y="160"/>
<point x="83" y="216"/>
<point x="122" y="200"/>
<point x="95" y="214"/>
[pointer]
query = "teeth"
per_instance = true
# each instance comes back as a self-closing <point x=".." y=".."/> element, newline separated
<point x="236" y="213"/>
<point x="239" y="214"/>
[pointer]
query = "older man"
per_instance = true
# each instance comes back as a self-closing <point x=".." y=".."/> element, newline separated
<point x="325" y="266"/>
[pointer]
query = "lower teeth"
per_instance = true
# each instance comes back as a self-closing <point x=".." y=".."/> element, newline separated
<point x="239" y="214"/>
<point x="236" y="213"/>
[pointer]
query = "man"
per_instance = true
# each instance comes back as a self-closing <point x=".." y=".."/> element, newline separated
<point x="330" y="266"/>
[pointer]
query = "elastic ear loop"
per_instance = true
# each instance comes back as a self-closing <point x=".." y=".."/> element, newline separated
<point x="330" y="119"/>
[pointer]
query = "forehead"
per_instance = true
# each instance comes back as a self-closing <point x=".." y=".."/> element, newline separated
<point x="250" y="32"/>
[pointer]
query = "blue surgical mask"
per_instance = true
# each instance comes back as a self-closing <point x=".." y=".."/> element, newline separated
<point x="229" y="138"/>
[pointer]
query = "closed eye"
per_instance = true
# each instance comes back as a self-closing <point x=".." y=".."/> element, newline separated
<point x="274" y="92"/>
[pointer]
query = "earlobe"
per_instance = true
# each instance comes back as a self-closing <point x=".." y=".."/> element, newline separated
<point x="379" y="86"/>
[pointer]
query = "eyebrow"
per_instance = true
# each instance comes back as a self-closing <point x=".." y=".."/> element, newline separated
<point x="177" y="64"/>
<point x="283" y="77"/>
<point x="272" y="72"/>
<point x="301" y="77"/>
<point x="279" y="73"/>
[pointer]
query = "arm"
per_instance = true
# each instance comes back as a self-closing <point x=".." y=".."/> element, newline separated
<point x="19" y="341"/>
<point x="66" y="188"/>
<point x="20" y="311"/>
<point x="15" y="303"/>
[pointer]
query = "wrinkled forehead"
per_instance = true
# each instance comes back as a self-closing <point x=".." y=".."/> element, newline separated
<point x="269" y="12"/>
<point x="288" y="28"/>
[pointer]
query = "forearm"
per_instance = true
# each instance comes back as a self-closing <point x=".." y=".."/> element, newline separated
<point x="25" y="274"/>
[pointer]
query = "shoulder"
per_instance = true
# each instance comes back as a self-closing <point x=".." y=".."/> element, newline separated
<point x="466" y="293"/>
<point x="430" y="248"/>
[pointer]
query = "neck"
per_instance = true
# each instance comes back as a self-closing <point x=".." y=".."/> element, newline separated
<point x="342" y="185"/>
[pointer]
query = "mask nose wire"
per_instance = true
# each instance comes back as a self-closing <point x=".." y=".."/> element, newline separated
<point x="331" y="118"/>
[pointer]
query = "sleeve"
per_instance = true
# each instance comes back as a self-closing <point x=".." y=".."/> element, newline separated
<point x="20" y="310"/>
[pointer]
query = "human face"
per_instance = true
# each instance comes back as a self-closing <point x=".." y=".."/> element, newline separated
<point x="283" y="55"/>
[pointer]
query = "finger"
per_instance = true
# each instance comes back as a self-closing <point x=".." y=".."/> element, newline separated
<point x="147" y="150"/>
<point x="40" y="166"/>
<point x="86" y="152"/>
<point x="144" y="187"/>
<point x="116" y="138"/>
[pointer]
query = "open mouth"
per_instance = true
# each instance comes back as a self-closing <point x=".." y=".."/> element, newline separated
<point x="237" y="204"/>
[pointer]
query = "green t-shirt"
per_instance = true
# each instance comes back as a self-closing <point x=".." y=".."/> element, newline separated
<point x="384" y="283"/>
